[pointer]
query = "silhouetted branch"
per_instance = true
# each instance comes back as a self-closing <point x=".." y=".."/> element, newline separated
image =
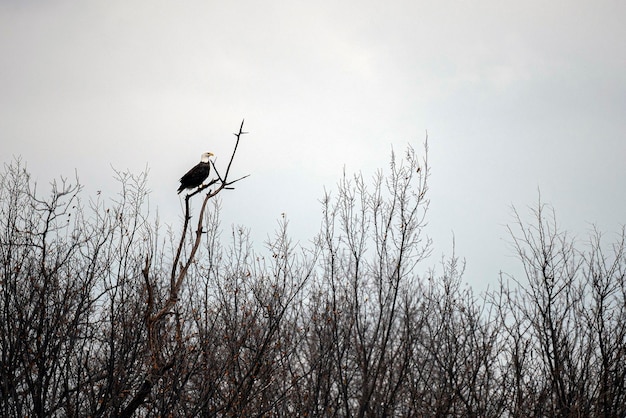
<point x="153" y="320"/>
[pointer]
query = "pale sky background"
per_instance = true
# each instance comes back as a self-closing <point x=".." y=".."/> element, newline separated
<point x="516" y="96"/>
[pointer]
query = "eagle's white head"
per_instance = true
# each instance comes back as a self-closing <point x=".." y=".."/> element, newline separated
<point x="206" y="156"/>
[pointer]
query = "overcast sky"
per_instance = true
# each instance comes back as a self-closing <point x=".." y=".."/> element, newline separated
<point x="516" y="97"/>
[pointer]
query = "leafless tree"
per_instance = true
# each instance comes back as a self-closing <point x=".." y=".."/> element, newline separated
<point x="359" y="348"/>
<point x="46" y="289"/>
<point x="163" y="325"/>
<point x="457" y="369"/>
<point x="564" y="323"/>
<point x="105" y="312"/>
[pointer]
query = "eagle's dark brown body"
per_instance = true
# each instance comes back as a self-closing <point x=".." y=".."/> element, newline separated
<point x="194" y="177"/>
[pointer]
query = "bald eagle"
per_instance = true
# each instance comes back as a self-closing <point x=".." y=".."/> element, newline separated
<point x="195" y="176"/>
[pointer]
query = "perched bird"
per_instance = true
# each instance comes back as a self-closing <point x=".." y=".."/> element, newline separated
<point x="195" y="176"/>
